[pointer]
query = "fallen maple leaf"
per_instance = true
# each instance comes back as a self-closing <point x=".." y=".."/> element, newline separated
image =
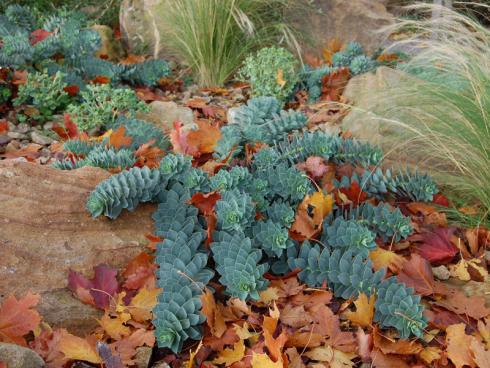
<point x="30" y="152"/>
<point x="333" y="84"/>
<point x="148" y="155"/>
<point x="107" y="357"/>
<point x="391" y="346"/>
<point x="230" y="356"/>
<point x="143" y="303"/>
<point x="458" y="346"/>
<point x="430" y="353"/>
<point x="205" y="202"/>
<point x="263" y="361"/>
<point x="335" y="358"/>
<point x="70" y="131"/>
<point x="118" y="138"/>
<point x="46" y="344"/>
<point x="114" y="326"/>
<point x="333" y="46"/>
<point x="315" y="166"/>
<point x="481" y="356"/>
<point x="364" y="314"/>
<point x="380" y="360"/>
<point x="4" y="126"/>
<point x="76" y="348"/>
<point x="417" y="273"/>
<point x="97" y="291"/>
<point x="457" y="302"/>
<point x="39" y="35"/>
<point x="306" y="226"/>
<point x="437" y="247"/>
<point x="140" y="271"/>
<point x="17" y="318"/>
<point x="350" y="196"/>
<point x="383" y="258"/>
<point x="464" y="270"/>
<point x="126" y="347"/>
<point x="295" y="316"/>
<point x="214" y="318"/>
<point x="203" y="140"/>
<point x="294" y="358"/>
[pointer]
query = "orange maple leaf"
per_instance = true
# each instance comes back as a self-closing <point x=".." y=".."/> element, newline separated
<point x="148" y="155"/>
<point x="333" y="84"/>
<point x="17" y="318"/>
<point x="119" y="139"/>
<point x="204" y="139"/>
<point x="363" y="316"/>
<point x="309" y="216"/>
<point x="333" y="46"/>
<point x="205" y="202"/>
<point x="214" y="318"/>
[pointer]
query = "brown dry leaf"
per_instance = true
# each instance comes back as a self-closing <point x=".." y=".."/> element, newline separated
<point x="18" y="318"/>
<point x="328" y="325"/>
<point x="214" y="318"/>
<point x="230" y="356"/>
<point x="459" y="346"/>
<point x="30" y="152"/>
<point x="142" y="304"/>
<point x="392" y="346"/>
<point x="294" y="358"/>
<point x="287" y="287"/>
<point x="126" y="348"/>
<point x="480" y="355"/>
<point x="269" y="325"/>
<point x="263" y="361"/>
<point x="364" y="314"/>
<point x="457" y="302"/>
<point x="484" y="330"/>
<point x="118" y="138"/>
<point x="302" y="339"/>
<point x="306" y="226"/>
<point x="295" y="316"/>
<point x="140" y="271"/>
<point x="430" y="353"/>
<point x="380" y="360"/>
<point x="333" y="84"/>
<point x="383" y="258"/>
<point x="148" y="155"/>
<point x="333" y="46"/>
<point x="417" y="273"/>
<point x="132" y="59"/>
<point x="76" y="348"/>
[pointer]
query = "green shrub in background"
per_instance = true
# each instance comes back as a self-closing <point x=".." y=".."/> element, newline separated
<point x="213" y="37"/>
<point x="272" y="71"/>
<point x="43" y="95"/>
<point x="446" y="113"/>
<point x="102" y="104"/>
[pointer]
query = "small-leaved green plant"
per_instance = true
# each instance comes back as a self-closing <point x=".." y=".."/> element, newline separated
<point x="41" y="97"/>
<point x="102" y="104"/>
<point x="272" y="71"/>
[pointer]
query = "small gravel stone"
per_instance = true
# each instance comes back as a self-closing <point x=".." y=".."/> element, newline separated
<point x="4" y="139"/>
<point x="12" y="146"/>
<point x="12" y="126"/>
<point x="441" y="272"/>
<point x="16" y="135"/>
<point x="23" y="128"/>
<point x="48" y="126"/>
<point x="41" y="139"/>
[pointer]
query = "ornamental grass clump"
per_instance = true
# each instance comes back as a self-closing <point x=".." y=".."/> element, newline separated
<point x="444" y="113"/>
<point x="213" y="37"/>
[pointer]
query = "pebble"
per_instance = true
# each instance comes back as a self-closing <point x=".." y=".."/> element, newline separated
<point x="441" y="272"/>
<point x="17" y="135"/>
<point x="41" y="139"/>
<point x="12" y="146"/>
<point x="23" y="128"/>
<point x="48" y="126"/>
<point x="4" y="139"/>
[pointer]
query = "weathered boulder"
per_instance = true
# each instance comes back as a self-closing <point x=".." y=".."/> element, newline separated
<point x="352" y="20"/>
<point x="164" y="113"/>
<point x="45" y="230"/>
<point x="15" y="356"/>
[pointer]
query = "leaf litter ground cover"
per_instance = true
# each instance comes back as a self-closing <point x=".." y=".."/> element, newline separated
<point x="272" y="248"/>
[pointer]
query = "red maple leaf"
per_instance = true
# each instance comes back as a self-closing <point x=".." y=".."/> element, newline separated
<point x="72" y="90"/>
<point x="205" y="202"/>
<point x="436" y="246"/>
<point x="353" y="194"/>
<point x="441" y="200"/>
<point x="333" y="84"/>
<point x="417" y="273"/>
<point x="70" y="131"/>
<point x="38" y="35"/>
<point x="97" y="291"/>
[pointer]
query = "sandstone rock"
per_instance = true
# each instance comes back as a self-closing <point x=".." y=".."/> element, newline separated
<point x="41" y="139"/>
<point x="165" y="113"/>
<point x="45" y="231"/>
<point x="352" y="20"/>
<point x="15" y="356"/>
<point x="111" y="48"/>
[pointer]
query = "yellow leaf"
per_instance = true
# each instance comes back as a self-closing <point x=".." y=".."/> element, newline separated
<point x="214" y="317"/>
<point x="230" y="356"/>
<point x="101" y="137"/>
<point x="363" y="316"/>
<point x="460" y="270"/>
<point x="322" y="204"/>
<point x="310" y="215"/>
<point x="263" y="361"/>
<point x="269" y="295"/>
<point x="280" y="78"/>
<point x="458" y="346"/>
<point x="335" y="358"/>
<point x="76" y="348"/>
<point x="383" y="258"/>
<point x="192" y="356"/>
<point x="242" y="331"/>
<point x="430" y="353"/>
<point x="114" y="327"/>
<point x="142" y="304"/>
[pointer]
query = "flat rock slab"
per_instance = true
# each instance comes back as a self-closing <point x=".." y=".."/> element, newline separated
<point x="45" y="231"/>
